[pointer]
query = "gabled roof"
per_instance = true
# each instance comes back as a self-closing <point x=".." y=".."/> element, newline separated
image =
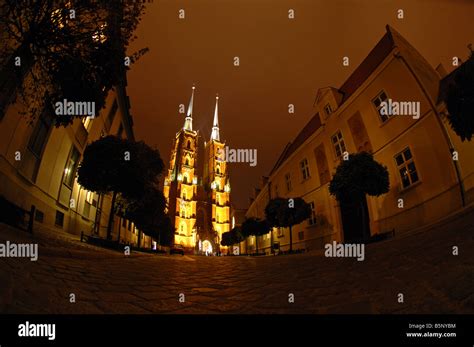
<point x="313" y="125"/>
<point x="376" y="56"/>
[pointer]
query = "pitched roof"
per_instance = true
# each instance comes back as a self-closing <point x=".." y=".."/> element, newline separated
<point x="376" y="56"/>
<point x="310" y="127"/>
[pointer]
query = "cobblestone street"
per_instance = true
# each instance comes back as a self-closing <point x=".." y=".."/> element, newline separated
<point x="421" y="266"/>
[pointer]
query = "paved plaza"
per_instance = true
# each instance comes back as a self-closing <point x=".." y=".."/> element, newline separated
<point x="421" y="266"/>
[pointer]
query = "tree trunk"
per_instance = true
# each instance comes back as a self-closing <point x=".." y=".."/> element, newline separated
<point x="111" y="216"/>
<point x="291" y="240"/>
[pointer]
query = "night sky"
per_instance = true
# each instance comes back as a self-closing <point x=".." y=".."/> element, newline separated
<point x="282" y="62"/>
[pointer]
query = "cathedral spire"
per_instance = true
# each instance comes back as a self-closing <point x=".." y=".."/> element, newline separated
<point x="188" y="123"/>
<point x="215" y="127"/>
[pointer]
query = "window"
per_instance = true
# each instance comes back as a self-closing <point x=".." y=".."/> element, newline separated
<point x="377" y="101"/>
<point x="304" y="168"/>
<point x="88" y="203"/>
<point x="279" y="232"/>
<point x="406" y="168"/>
<point x="338" y="143"/>
<point x="40" y="135"/>
<point x="187" y="162"/>
<point x="312" y="218"/>
<point x="71" y="166"/>
<point x="188" y="146"/>
<point x="328" y="109"/>
<point x="39" y="216"/>
<point x="301" y="235"/>
<point x="87" y="121"/>
<point x="59" y="221"/>
<point x="185" y="179"/>
<point x="288" y="181"/>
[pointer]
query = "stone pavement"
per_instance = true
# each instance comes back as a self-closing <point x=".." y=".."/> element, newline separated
<point x="420" y="266"/>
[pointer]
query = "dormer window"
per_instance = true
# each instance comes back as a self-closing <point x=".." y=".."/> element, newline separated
<point x="327" y="109"/>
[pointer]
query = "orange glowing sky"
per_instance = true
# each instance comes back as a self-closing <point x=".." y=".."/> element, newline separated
<point x="282" y="62"/>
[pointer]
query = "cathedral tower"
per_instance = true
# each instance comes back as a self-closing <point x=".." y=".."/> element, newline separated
<point x="180" y="186"/>
<point x="216" y="180"/>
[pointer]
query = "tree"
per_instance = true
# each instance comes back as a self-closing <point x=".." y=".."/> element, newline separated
<point x="460" y="100"/>
<point x="147" y="213"/>
<point x="358" y="176"/>
<point x="232" y="237"/>
<point x="255" y="227"/>
<point x="114" y="165"/>
<point x="72" y="50"/>
<point x="285" y="213"/>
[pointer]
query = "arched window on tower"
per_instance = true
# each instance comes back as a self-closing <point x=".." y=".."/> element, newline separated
<point x="185" y="179"/>
<point x="218" y="169"/>
<point x="187" y="161"/>
<point x="188" y="145"/>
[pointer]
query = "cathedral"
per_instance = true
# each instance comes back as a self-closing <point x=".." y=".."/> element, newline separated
<point x="197" y="190"/>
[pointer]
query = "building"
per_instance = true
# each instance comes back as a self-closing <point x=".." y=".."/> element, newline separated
<point x="418" y="149"/>
<point x="38" y="162"/>
<point x="198" y="196"/>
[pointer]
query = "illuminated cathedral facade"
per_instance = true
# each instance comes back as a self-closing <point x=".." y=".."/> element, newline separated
<point x="197" y="190"/>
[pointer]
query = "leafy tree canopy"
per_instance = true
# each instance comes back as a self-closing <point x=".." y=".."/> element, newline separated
<point x="287" y="212"/>
<point x="359" y="175"/>
<point x="460" y="100"/>
<point x="72" y="50"/>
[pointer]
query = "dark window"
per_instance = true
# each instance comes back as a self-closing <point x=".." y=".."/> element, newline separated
<point x="288" y="182"/>
<point x="406" y="168"/>
<point x="339" y="144"/>
<point x="39" y="136"/>
<point x="59" y="222"/>
<point x="188" y="145"/>
<point x="304" y="168"/>
<point x="39" y="216"/>
<point x="377" y="101"/>
<point x="328" y="109"/>
<point x="312" y="218"/>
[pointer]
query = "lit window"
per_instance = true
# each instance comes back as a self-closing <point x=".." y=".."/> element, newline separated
<point x="288" y="181"/>
<point x="406" y="168"/>
<point x="86" y="121"/>
<point x="377" y="101"/>
<point x="304" y="168"/>
<point x="338" y="143"/>
<point x="71" y="166"/>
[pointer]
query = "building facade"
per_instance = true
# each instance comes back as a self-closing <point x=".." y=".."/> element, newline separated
<point x="198" y="196"/>
<point x="431" y="170"/>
